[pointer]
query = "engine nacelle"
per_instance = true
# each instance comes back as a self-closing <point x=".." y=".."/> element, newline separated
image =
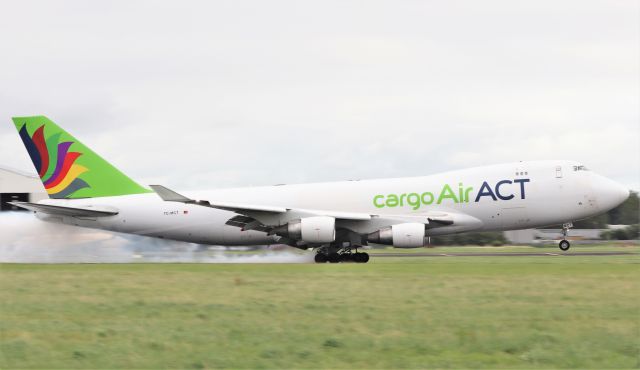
<point x="317" y="229"/>
<point x="409" y="235"/>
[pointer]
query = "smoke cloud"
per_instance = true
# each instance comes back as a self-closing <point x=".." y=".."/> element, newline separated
<point x="26" y="239"/>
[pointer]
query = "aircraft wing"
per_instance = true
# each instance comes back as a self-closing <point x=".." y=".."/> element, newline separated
<point x="264" y="218"/>
<point x="66" y="211"/>
<point x="171" y="196"/>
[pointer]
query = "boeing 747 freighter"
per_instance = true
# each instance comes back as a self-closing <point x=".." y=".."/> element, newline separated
<point x="333" y="218"/>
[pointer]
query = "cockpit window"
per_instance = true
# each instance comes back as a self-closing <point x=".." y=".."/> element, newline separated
<point x="580" y="168"/>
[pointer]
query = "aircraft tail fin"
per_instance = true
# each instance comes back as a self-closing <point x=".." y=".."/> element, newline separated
<point x="67" y="168"/>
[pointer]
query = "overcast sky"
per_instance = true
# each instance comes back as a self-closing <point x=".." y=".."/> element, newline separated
<point x="212" y="94"/>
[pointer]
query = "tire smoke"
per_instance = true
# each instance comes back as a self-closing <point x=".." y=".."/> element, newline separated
<point x="26" y="239"/>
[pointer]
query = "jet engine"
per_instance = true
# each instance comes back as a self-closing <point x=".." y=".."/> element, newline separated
<point x="408" y="235"/>
<point x="317" y="229"/>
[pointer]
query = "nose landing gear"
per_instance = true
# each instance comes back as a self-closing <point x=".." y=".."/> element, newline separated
<point x="564" y="244"/>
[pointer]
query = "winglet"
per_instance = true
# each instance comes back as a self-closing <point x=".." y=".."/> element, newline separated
<point x="169" y="195"/>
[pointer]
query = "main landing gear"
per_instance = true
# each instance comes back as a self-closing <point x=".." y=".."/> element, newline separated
<point x="335" y="255"/>
<point x="564" y="244"/>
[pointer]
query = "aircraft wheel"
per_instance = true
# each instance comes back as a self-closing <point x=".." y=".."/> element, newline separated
<point x="320" y="258"/>
<point x="365" y="257"/>
<point x="334" y="258"/>
<point x="564" y="245"/>
<point x="361" y="257"/>
<point x="346" y="257"/>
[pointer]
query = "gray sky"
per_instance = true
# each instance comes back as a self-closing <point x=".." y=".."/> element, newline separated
<point x="225" y="93"/>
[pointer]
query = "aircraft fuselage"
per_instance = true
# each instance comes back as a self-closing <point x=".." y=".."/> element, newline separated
<point x="500" y="197"/>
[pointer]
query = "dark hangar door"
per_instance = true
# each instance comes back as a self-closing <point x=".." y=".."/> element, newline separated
<point x="12" y="197"/>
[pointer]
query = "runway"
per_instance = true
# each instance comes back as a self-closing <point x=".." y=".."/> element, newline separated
<point x="505" y="254"/>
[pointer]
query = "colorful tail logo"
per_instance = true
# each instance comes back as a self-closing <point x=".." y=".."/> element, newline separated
<point x="54" y="162"/>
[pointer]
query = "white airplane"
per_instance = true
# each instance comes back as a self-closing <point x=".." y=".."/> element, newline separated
<point x="334" y="218"/>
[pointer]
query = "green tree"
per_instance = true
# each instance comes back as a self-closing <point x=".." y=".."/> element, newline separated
<point x="628" y="233"/>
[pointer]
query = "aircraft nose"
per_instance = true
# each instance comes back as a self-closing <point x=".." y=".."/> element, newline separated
<point x="610" y="194"/>
<point x="621" y="194"/>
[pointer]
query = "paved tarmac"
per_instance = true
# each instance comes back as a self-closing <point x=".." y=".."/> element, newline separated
<point x="503" y="254"/>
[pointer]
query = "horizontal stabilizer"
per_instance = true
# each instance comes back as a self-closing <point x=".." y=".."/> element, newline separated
<point x="66" y="211"/>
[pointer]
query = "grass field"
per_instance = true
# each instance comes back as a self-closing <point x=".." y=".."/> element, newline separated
<point x="404" y="312"/>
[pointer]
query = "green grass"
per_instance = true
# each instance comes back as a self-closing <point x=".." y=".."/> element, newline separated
<point x="458" y="312"/>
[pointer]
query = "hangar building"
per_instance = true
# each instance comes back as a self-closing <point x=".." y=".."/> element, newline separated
<point x="16" y="185"/>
